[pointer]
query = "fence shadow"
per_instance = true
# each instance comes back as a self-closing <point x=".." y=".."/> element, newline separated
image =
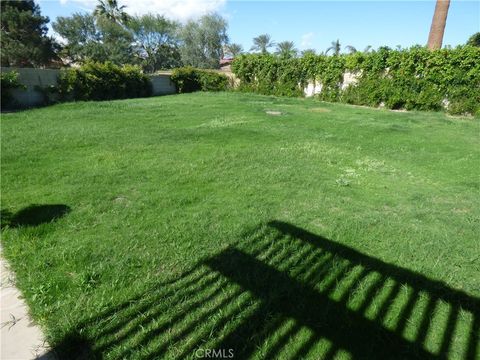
<point x="283" y="292"/>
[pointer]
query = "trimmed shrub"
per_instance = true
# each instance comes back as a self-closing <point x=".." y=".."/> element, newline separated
<point x="189" y="79"/>
<point x="186" y="80"/>
<point x="9" y="81"/>
<point x="103" y="81"/>
<point x="212" y="81"/>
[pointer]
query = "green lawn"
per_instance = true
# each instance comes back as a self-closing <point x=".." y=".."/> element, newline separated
<point x="163" y="227"/>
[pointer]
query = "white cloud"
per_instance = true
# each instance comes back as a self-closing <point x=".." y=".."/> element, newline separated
<point x="84" y="4"/>
<point x="307" y="40"/>
<point x="181" y="10"/>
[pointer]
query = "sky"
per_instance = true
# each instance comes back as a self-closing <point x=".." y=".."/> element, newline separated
<point x="309" y="24"/>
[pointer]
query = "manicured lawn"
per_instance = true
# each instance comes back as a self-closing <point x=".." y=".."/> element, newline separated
<point x="193" y="222"/>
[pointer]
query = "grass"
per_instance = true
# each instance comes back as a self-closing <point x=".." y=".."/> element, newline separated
<point x="163" y="227"/>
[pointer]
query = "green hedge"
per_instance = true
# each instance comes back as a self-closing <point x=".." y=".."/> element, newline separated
<point x="103" y="81"/>
<point x="270" y="75"/>
<point x="414" y="78"/>
<point x="9" y="81"/>
<point x="189" y="79"/>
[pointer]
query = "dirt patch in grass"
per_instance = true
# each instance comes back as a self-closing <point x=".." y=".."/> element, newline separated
<point x="273" y="112"/>
<point x="460" y="117"/>
<point x="320" y="110"/>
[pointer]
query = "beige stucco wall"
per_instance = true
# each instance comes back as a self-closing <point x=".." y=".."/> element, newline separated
<point x="162" y="85"/>
<point x="42" y="78"/>
<point x="32" y="78"/>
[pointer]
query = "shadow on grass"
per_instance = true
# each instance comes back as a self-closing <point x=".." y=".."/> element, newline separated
<point x="283" y="292"/>
<point x="33" y="215"/>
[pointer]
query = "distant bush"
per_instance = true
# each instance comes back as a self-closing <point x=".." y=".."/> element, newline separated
<point x="212" y="81"/>
<point x="189" y="79"/>
<point x="103" y="81"/>
<point x="186" y="79"/>
<point x="9" y="81"/>
<point x="414" y="78"/>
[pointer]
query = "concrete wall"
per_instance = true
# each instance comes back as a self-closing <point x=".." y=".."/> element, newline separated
<point x="314" y="88"/>
<point x="32" y="78"/>
<point x="162" y="85"/>
<point x="41" y="78"/>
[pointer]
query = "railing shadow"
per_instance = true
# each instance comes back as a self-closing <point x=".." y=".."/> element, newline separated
<point x="283" y="292"/>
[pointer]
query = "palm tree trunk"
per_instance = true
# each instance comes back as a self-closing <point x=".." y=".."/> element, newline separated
<point x="439" y="20"/>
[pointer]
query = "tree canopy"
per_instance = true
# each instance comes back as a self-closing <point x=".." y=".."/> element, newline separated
<point x="262" y="43"/>
<point x="286" y="49"/>
<point x="202" y="41"/>
<point x="156" y="41"/>
<point x="110" y="10"/>
<point x="90" y="38"/>
<point x="152" y="41"/>
<point x="233" y="50"/>
<point x="24" y="39"/>
<point x="474" y="40"/>
<point x="335" y="47"/>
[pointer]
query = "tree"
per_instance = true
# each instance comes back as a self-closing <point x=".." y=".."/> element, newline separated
<point x="156" y="42"/>
<point x="437" y="29"/>
<point x="83" y="40"/>
<point x="24" y="40"/>
<point x="110" y="10"/>
<point x="368" y="48"/>
<point x="474" y="40"/>
<point x="117" y="41"/>
<point x="99" y="39"/>
<point x="233" y="50"/>
<point x="336" y="47"/>
<point x="261" y="43"/>
<point x="202" y="41"/>
<point x="351" y="49"/>
<point x="286" y="49"/>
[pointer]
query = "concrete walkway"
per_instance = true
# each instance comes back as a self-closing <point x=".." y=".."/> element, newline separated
<point x="20" y="338"/>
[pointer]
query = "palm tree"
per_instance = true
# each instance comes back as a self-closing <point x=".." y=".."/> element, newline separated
<point x="336" y="47"/>
<point x="110" y="10"/>
<point x="262" y="43"/>
<point x="439" y="20"/>
<point x="351" y="49"/>
<point x="368" y="48"/>
<point x="286" y="49"/>
<point x="234" y="50"/>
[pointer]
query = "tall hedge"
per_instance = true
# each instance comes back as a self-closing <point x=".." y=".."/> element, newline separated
<point x="414" y="78"/>
<point x="189" y="79"/>
<point x="103" y="81"/>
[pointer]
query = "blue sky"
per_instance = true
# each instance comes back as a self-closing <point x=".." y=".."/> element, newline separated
<point x="310" y="24"/>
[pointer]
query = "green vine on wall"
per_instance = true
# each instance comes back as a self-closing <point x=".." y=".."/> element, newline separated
<point x="414" y="78"/>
